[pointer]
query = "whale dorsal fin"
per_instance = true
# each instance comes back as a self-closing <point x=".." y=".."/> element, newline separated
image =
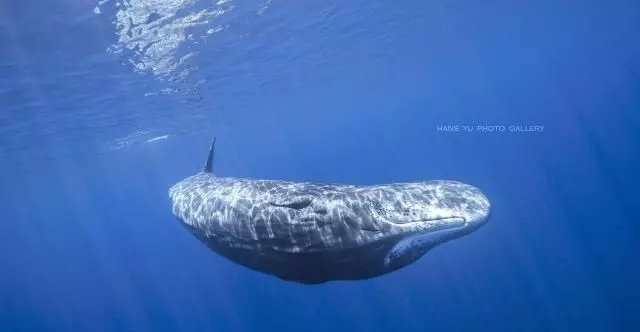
<point x="208" y="166"/>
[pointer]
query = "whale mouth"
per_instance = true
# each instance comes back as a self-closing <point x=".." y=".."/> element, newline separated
<point x="443" y="226"/>
<point x="424" y="238"/>
<point x="433" y="226"/>
<point x="430" y="225"/>
<point x="427" y="233"/>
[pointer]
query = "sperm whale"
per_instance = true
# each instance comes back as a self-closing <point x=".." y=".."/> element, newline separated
<point x="313" y="233"/>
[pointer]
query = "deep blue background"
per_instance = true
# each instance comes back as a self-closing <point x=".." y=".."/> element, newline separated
<point x="329" y="91"/>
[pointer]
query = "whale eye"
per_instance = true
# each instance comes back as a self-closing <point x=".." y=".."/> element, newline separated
<point x="296" y="203"/>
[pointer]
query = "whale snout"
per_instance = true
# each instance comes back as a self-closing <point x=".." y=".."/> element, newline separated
<point x="474" y="206"/>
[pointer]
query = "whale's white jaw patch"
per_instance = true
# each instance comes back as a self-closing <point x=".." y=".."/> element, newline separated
<point x="426" y="238"/>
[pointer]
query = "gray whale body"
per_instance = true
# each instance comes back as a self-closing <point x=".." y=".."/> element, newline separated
<point x="314" y="233"/>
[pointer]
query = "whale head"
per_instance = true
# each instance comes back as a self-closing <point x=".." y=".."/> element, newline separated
<point x="423" y="215"/>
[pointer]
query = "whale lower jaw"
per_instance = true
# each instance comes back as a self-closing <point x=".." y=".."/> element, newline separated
<point x="427" y="238"/>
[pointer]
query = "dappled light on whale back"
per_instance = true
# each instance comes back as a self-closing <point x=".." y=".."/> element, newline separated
<point x="313" y="233"/>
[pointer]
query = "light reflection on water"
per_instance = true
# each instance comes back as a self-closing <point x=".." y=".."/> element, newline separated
<point x="162" y="37"/>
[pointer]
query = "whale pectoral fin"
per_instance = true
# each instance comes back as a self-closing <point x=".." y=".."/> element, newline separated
<point x="296" y="202"/>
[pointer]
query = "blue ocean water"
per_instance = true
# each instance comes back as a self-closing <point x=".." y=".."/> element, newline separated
<point x="106" y="104"/>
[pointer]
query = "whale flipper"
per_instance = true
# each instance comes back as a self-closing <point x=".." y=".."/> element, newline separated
<point x="208" y="166"/>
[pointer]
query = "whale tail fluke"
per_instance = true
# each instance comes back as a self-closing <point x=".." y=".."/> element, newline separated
<point x="208" y="166"/>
